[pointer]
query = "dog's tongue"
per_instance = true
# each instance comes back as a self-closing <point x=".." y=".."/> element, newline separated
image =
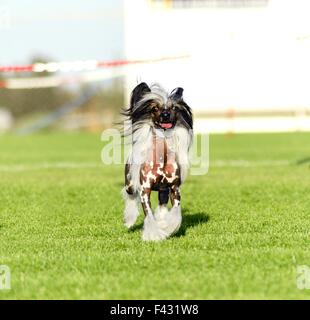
<point x="166" y="125"/>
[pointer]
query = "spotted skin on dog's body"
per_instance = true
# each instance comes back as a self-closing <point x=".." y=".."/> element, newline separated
<point x="159" y="172"/>
<point x="161" y="168"/>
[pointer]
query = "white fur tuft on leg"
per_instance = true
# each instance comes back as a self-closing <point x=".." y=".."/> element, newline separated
<point x="131" y="210"/>
<point x="160" y="212"/>
<point x="169" y="221"/>
<point x="151" y="230"/>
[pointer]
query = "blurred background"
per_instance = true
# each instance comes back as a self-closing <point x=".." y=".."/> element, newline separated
<point x="71" y="65"/>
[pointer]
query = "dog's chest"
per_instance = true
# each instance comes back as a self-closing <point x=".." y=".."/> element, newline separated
<point x="160" y="167"/>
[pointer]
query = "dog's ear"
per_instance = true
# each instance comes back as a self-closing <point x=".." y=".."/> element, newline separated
<point x="176" y="94"/>
<point x="138" y="92"/>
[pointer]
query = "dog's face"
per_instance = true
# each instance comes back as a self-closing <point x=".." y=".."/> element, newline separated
<point x="156" y="106"/>
<point x="164" y="116"/>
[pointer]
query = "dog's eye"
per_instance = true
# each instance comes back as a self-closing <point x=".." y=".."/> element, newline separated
<point x="155" y="109"/>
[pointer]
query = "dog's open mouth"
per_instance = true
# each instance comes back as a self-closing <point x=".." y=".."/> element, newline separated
<point x="166" y="125"/>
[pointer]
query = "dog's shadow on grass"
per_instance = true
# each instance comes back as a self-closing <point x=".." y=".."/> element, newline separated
<point x="136" y="227"/>
<point x="189" y="220"/>
<point x="303" y="161"/>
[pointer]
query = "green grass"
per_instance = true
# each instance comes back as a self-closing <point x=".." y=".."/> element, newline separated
<point x="245" y="228"/>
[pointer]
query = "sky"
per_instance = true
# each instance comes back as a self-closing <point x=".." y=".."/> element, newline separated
<point x="60" y="30"/>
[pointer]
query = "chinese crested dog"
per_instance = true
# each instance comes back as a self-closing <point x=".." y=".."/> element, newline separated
<point x="161" y="132"/>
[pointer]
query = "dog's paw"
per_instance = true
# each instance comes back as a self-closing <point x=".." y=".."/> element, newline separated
<point x="160" y="213"/>
<point x="129" y="221"/>
<point x="170" y="222"/>
<point x="130" y="218"/>
<point x="151" y="230"/>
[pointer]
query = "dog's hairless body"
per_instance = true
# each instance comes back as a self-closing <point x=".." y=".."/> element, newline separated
<point x="160" y="172"/>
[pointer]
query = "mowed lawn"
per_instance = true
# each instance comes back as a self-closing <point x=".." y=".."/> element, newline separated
<point x="245" y="228"/>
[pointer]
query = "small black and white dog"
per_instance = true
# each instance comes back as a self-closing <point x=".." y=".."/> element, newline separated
<point x="161" y="131"/>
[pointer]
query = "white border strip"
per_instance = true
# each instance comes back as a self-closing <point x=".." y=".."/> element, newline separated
<point x="86" y="165"/>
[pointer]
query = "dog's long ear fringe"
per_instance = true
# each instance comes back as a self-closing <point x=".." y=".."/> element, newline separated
<point x="119" y="124"/>
<point x="186" y="116"/>
<point x="126" y="112"/>
<point x="138" y="92"/>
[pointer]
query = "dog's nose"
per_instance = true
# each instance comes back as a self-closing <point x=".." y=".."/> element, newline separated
<point x="165" y="116"/>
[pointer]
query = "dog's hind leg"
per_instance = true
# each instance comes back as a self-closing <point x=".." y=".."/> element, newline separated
<point x="175" y="211"/>
<point x="131" y="210"/>
<point x="151" y="230"/>
<point x="131" y="199"/>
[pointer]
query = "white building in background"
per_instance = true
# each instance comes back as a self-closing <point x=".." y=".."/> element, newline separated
<point x="249" y="65"/>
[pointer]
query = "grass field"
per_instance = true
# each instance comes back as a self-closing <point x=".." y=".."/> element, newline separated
<point x="245" y="229"/>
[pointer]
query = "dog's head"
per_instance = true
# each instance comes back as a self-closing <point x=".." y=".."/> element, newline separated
<point x="161" y="110"/>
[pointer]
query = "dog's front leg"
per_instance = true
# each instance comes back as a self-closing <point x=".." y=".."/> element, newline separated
<point x="175" y="211"/>
<point x="163" y="198"/>
<point x="175" y="196"/>
<point x="151" y="230"/>
<point x="170" y="221"/>
<point x="131" y="198"/>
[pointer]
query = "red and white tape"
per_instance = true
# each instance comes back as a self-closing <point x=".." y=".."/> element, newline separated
<point x="80" y="65"/>
<point x="73" y="66"/>
<point x="56" y="81"/>
<point x="63" y="66"/>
